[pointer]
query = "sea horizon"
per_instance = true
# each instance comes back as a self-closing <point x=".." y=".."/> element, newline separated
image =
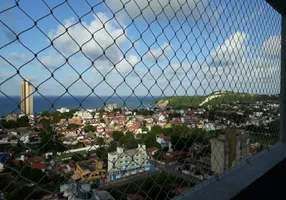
<point x="10" y="104"/>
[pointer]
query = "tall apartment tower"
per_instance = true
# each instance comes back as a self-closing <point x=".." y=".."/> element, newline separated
<point x="229" y="149"/>
<point x="26" y="98"/>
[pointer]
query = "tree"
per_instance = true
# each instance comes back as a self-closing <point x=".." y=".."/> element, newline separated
<point x="72" y="126"/>
<point x="117" y="135"/>
<point x="117" y="110"/>
<point x="274" y="127"/>
<point x="172" y="115"/>
<point x="128" y="141"/>
<point x="112" y="147"/>
<point x="89" y="128"/>
<point x="156" y="130"/>
<point x="102" y="154"/>
<point x="212" y="115"/>
<point x="77" y="157"/>
<point x="158" y="155"/>
<point x="35" y="175"/>
<point x="144" y="124"/>
<point x="57" y="179"/>
<point x="100" y="141"/>
<point x="131" y="143"/>
<point x="101" y="120"/>
<point x="23" y="121"/>
<point x="45" y="114"/>
<point x="24" y="192"/>
<point x="149" y="140"/>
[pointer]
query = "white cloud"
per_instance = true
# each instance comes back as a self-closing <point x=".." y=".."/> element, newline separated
<point x="3" y="76"/>
<point x="3" y="63"/>
<point x="159" y="53"/>
<point x="232" y="69"/>
<point x="272" y="46"/>
<point x="126" y="65"/>
<point x="52" y="61"/>
<point x="100" y="39"/>
<point x="104" y="48"/>
<point x="16" y="59"/>
<point x="231" y="50"/>
<point x="160" y="8"/>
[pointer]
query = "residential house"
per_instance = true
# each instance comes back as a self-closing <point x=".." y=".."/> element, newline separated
<point x="68" y="132"/>
<point x="199" y="125"/>
<point x="173" y="156"/>
<point x="65" y="122"/>
<point x="163" y="140"/>
<point x="110" y="107"/>
<point x="4" y="138"/>
<point x="36" y="163"/>
<point x="12" y="117"/>
<point x="24" y="138"/>
<point x="124" y="163"/>
<point x="83" y="114"/>
<point x="89" y="171"/>
<point x="90" y="121"/>
<point x="151" y="151"/>
<point x="209" y="127"/>
<point x="63" y="110"/>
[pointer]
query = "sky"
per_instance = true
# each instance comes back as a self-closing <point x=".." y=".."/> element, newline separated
<point x="139" y="47"/>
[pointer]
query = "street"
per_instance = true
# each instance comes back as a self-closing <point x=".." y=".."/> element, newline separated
<point x="171" y="169"/>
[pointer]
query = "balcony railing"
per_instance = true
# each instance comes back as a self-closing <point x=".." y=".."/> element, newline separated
<point x="194" y="90"/>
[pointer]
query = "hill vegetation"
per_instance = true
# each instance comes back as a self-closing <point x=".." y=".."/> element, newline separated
<point x="214" y="98"/>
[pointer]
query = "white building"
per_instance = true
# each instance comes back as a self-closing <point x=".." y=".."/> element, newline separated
<point x="110" y="107"/>
<point x="24" y="138"/>
<point x="229" y="149"/>
<point x="209" y="127"/>
<point x="163" y="140"/>
<point x="83" y="114"/>
<point x="63" y="110"/>
<point x="124" y="163"/>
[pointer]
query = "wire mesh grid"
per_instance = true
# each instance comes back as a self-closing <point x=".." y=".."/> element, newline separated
<point x="142" y="99"/>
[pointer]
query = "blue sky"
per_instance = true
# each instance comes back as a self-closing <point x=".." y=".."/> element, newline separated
<point x="182" y="47"/>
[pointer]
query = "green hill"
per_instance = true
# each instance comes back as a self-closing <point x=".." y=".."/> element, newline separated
<point x="214" y="98"/>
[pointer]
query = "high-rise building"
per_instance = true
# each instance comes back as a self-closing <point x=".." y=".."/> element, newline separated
<point x="228" y="149"/>
<point x="26" y="97"/>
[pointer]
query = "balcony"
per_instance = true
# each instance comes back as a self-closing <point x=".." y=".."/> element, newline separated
<point x="207" y="75"/>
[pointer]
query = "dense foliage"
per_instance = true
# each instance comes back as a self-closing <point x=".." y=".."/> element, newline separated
<point x="20" y="122"/>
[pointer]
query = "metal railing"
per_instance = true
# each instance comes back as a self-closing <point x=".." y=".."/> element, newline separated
<point x="146" y="99"/>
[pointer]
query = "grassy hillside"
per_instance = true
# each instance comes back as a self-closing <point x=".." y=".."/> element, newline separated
<point x="183" y="101"/>
<point x="214" y="98"/>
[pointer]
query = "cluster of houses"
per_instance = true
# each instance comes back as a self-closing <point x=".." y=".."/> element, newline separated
<point x="127" y="162"/>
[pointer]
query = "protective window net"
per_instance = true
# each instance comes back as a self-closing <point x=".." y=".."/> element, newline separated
<point x="133" y="99"/>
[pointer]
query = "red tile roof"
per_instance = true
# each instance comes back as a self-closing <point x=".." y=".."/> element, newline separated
<point x="38" y="166"/>
<point x="34" y="160"/>
<point x="152" y="149"/>
<point x="15" y="162"/>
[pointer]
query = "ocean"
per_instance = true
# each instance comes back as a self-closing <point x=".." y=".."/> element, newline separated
<point x="10" y="104"/>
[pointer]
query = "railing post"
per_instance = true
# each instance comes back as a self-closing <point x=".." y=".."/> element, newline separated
<point x="283" y="82"/>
